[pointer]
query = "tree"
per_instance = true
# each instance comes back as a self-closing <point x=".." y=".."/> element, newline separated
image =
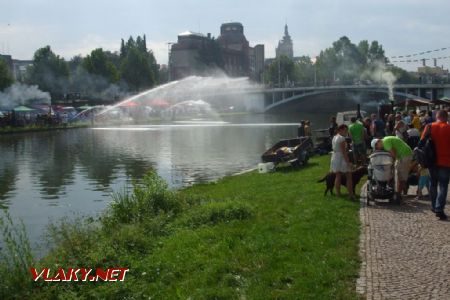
<point x="349" y="60"/>
<point x="326" y="66"/>
<point x="281" y="72"/>
<point x="138" y="67"/>
<point x="6" y="78"/>
<point x="163" y="74"/>
<point x="98" y="63"/>
<point x="114" y="58"/>
<point x="363" y="48"/>
<point x="137" y="71"/>
<point x="345" y="62"/>
<point x="305" y="71"/>
<point x="123" y="49"/>
<point x="74" y="63"/>
<point x="376" y="53"/>
<point x="49" y="71"/>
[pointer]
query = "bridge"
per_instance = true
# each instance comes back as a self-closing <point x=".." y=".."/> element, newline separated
<point x="277" y="98"/>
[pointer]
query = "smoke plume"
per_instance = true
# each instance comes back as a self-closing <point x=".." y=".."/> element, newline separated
<point x="378" y="73"/>
<point x="96" y="86"/>
<point x="21" y="94"/>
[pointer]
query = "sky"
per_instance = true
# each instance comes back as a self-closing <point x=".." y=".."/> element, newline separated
<point x="77" y="27"/>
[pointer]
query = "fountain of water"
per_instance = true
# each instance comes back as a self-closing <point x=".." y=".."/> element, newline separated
<point x="190" y="108"/>
<point x="190" y="96"/>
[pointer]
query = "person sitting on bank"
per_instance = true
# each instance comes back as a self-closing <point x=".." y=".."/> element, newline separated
<point x="357" y="133"/>
<point x="402" y="154"/>
<point x="308" y="131"/>
<point x="301" y="129"/>
<point x="340" y="162"/>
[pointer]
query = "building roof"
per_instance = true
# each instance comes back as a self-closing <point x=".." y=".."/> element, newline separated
<point x="232" y="24"/>
<point x="191" y="33"/>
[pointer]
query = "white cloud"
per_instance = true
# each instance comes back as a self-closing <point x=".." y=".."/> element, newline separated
<point x="160" y="50"/>
<point x="401" y="26"/>
<point x="21" y="40"/>
<point x="86" y="45"/>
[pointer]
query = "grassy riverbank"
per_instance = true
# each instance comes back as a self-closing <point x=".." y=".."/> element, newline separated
<point x="34" y="128"/>
<point x="252" y="236"/>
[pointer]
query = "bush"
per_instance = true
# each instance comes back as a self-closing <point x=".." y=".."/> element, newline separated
<point x="72" y="239"/>
<point x="149" y="198"/>
<point x="16" y="258"/>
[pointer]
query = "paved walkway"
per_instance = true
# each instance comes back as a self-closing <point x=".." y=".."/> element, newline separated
<point x="405" y="252"/>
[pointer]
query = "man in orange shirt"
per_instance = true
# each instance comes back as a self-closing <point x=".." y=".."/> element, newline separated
<point x="440" y="172"/>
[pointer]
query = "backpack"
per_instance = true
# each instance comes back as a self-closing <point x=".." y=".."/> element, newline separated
<point x="425" y="152"/>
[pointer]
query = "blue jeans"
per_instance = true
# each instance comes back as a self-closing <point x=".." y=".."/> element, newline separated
<point x="439" y="176"/>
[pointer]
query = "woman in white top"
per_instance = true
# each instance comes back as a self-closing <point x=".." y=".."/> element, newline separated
<point x="340" y="162"/>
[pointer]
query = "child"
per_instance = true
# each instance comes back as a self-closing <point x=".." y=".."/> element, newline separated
<point x="424" y="181"/>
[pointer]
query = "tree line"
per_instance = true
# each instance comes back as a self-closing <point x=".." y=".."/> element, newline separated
<point x="344" y="62"/>
<point x="102" y="74"/>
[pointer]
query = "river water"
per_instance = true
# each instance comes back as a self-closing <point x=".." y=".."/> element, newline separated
<point x="46" y="176"/>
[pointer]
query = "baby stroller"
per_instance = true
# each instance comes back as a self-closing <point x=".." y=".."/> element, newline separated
<point x="380" y="183"/>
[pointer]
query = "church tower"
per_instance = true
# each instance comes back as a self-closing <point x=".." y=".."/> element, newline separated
<point x="285" y="46"/>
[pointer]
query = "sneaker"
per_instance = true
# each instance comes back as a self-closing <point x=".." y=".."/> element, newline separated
<point x="441" y="215"/>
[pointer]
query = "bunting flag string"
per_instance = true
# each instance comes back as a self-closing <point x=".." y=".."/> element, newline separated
<point x="418" y="60"/>
<point x="420" y="53"/>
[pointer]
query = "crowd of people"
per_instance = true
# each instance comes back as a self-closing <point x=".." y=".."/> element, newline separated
<point x="397" y="134"/>
<point x="44" y="116"/>
<point x="12" y="119"/>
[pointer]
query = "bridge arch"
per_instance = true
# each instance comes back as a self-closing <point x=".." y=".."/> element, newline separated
<point x="311" y="93"/>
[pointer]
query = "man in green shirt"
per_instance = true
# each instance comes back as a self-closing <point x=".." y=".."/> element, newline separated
<point x="402" y="154"/>
<point x="358" y="134"/>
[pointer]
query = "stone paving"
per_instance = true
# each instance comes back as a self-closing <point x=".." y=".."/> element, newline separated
<point x="405" y="251"/>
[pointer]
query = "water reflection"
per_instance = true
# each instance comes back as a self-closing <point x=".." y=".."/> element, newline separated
<point x="50" y="174"/>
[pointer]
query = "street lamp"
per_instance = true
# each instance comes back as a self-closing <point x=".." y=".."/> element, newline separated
<point x="314" y="61"/>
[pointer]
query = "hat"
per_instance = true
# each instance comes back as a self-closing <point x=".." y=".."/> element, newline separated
<point x="374" y="143"/>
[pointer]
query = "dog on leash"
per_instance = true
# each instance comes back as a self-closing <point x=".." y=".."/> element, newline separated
<point x="356" y="177"/>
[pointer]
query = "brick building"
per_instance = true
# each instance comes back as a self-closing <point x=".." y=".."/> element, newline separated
<point x="239" y="59"/>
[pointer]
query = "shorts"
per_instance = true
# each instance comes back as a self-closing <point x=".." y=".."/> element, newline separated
<point x="359" y="149"/>
<point x="424" y="181"/>
<point x="402" y="167"/>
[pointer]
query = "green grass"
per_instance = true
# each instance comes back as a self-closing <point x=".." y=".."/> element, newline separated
<point x="252" y="236"/>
